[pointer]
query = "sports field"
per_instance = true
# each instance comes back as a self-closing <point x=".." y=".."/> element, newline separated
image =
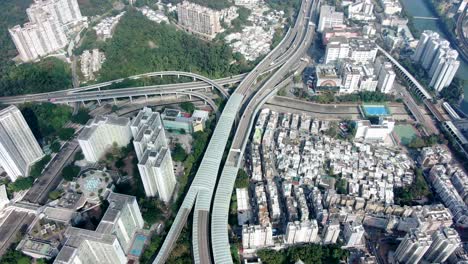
<point x="405" y="133"/>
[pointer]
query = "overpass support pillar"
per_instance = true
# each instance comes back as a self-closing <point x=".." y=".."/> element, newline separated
<point x="131" y="99"/>
<point x="194" y="79"/>
<point x="178" y="76"/>
<point x="190" y="96"/>
<point x="115" y="101"/>
<point x="99" y="102"/>
<point x="99" y="88"/>
<point x="146" y="96"/>
<point x="83" y="103"/>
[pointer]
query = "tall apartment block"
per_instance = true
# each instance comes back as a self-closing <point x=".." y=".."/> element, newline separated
<point x="198" y="19"/>
<point x="256" y="236"/>
<point x="353" y="234"/>
<point x="45" y="33"/>
<point x="100" y="133"/>
<point x="18" y="147"/>
<point x="386" y="79"/>
<point x="111" y="240"/>
<point x="329" y="18"/>
<point x="301" y="232"/>
<point x="413" y="247"/>
<point x="64" y="11"/>
<point x="437" y="58"/>
<point x="155" y="161"/>
<point x="331" y="233"/>
<point x="444" y="243"/>
<point x="35" y="40"/>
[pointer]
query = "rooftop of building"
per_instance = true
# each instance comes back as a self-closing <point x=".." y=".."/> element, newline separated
<point x="93" y="124"/>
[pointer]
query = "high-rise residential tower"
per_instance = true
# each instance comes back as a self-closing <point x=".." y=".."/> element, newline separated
<point x="413" y="247"/>
<point x="18" y="147"/>
<point x="155" y="161"/>
<point x="444" y="243"/>
<point x="199" y="19"/>
<point x="101" y="133"/>
<point x="111" y="240"/>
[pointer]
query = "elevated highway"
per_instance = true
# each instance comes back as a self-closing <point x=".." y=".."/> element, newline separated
<point x="220" y="212"/>
<point x="201" y="190"/>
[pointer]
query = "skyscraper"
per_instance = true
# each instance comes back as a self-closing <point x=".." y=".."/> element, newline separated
<point x="111" y="240"/>
<point x="155" y="161"/>
<point x="413" y="247"/>
<point x="437" y="58"/>
<point x="199" y="19"/>
<point x="301" y="232"/>
<point x="65" y="11"/>
<point x="353" y="234"/>
<point x="45" y="32"/>
<point x="444" y="243"/>
<point x="18" y="147"/>
<point x="332" y="231"/>
<point x="100" y="134"/>
<point x="386" y="79"/>
<point x="35" y="40"/>
<point x="445" y="71"/>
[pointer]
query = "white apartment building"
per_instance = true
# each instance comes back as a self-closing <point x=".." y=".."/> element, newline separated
<point x="445" y="72"/>
<point x="332" y="231"/>
<point x="413" y="247"/>
<point x="353" y="234"/>
<point x="444" y="242"/>
<point x="157" y="173"/>
<point x="256" y="236"/>
<point x="111" y="240"/>
<point x="148" y="132"/>
<point x="45" y="33"/>
<point x="362" y="10"/>
<point x="243" y="206"/>
<point x="155" y="161"/>
<point x="36" y="40"/>
<point x="18" y="147"/>
<point x="350" y="79"/>
<point x="368" y="132"/>
<point x="301" y="232"/>
<point x="391" y="7"/>
<point x="247" y="2"/>
<point x="358" y="50"/>
<point x="437" y="58"/>
<point x="337" y="49"/>
<point x="198" y="19"/>
<point x="362" y="50"/>
<point x="329" y="18"/>
<point x="64" y="11"/>
<point x="100" y="133"/>
<point x="386" y="79"/>
<point x="91" y="63"/>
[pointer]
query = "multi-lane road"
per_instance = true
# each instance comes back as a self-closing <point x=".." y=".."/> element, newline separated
<point x="202" y="188"/>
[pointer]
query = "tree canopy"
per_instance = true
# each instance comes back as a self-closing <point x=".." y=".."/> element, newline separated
<point x="70" y="172"/>
<point x="313" y="253"/>
<point x="45" y="119"/>
<point x="134" y="49"/>
<point x="50" y="74"/>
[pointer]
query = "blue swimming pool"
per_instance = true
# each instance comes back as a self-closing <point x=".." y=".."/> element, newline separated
<point x="138" y="245"/>
<point x="375" y="110"/>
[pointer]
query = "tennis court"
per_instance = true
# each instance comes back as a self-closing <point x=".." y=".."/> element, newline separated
<point x="405" y="133"/>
